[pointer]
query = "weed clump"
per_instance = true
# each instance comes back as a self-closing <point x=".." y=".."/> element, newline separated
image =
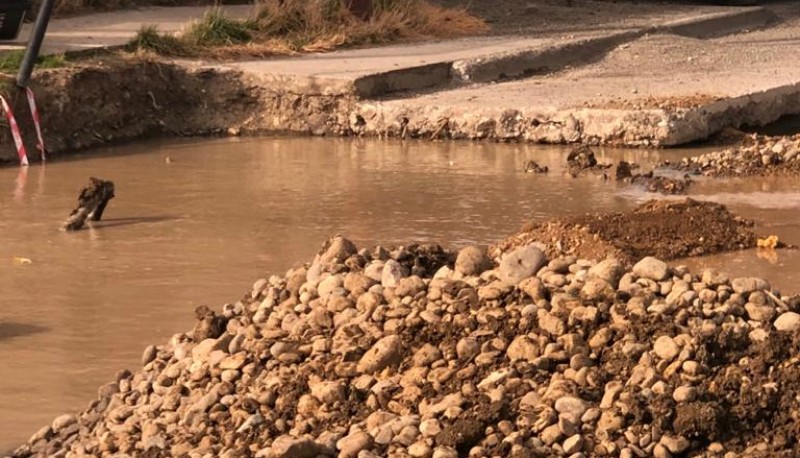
<point x="149" y="39"/>
<point x="287" y="26"/>
<point x="217" y="29"/>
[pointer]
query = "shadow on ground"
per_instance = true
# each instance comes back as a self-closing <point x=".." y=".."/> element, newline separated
<point x="114" y="222"/>
<point x="10" y="330"/>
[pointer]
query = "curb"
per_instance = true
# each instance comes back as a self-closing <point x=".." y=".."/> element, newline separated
<point x="718" y="24"/>
<point x="538" y="61"/>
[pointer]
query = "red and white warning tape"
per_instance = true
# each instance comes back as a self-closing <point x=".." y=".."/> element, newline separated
<point x="36" y="121"/>
<point x="23" y="155"/>
<point x="15" y="133"/>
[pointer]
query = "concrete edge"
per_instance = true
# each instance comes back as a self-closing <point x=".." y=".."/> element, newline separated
<point x="306" y="85"/>
<point x="756" y="109"/>
<point x="405" y="79"/>
<point x="718" y="24"/>
<point x="538" y="61"/>
<point x="634" y="128"/>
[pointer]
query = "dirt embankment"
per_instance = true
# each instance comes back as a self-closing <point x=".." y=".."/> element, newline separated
<point x="422" y="352"/>
<point x="93" y="105"/>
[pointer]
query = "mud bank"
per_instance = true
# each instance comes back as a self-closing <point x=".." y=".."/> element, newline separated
<point x="90" y="106"/>
<point x="422" y="352"/>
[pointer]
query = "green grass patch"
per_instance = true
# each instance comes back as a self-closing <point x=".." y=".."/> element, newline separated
<point x="216" y="29"/>
<point x="11" y="61"/>
<point x="148" y="38"/>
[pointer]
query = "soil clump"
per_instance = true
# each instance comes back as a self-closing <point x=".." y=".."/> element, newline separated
<point x="665" y="229"/>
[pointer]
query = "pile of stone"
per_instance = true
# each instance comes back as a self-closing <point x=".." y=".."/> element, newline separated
<point x="650" y="181"/>
<point x="582" y="159"/>
<point x="421" y="352"/>
<point x="757" y="156"/>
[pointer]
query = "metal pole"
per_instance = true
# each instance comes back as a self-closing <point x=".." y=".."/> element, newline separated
<point x="35" y="43"/>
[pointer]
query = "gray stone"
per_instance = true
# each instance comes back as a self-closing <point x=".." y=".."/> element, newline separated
<point x="533" y="287"/>
<point x="349" y="446"/>
<point x="385" y="352"/>
<point x="651" y="268"/>
<point x="252" y="422"/>
<point x="521" y="264"/>
<point x="430" y="427"/>
<point x="420" y="450"/>
<point x="609" y="270"/>
<point x="409" y="286"/>
<point x="597" y="289"/>
<point x="292" y="447"/>
<point x="338" y="251"/>
<point x="661" y="452"/>
<point x="551" y="434"/>
<point x="357" y="282"/>
<point x="427" y="355"/>
<point x="610" y="422"/>
<point x="149" y="355"/>
<point x="788" y="322"/>
<point x="760" y="312"/>
<point x="329" y="284"/>
<point x="157" y="441"/>
<point x="712" y="277"/>
<point x="666" y="348"/>
<point x="472" y="261"/>
<point x="748" y="285"/>
<point x="550" y="323"/>
<point x="445" y="452"/>
<point x="573" y="444"/>
<point x="571" y="406"/>
<point x="374" y="270"/>
<point x="64" y="421"/>
<point x="684" y="394"/>
<point x="467" y="348"/>
<point x="326" y="391"/>
<point x="392" y="273"/>
<point x="675" y="444"/>
<point x="522" y="348"/>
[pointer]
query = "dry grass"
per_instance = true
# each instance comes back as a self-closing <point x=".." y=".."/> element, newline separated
<point x="309" y="26"/>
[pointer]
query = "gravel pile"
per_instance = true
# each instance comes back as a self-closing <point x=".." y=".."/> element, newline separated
<point x="421" y="352"/>
<point x="757" y="156"/>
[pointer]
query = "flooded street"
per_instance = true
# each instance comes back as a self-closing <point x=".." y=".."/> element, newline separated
<point x="223" y="213"/>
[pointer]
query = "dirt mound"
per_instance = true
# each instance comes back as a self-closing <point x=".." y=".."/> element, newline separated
<point x="665" y="229"/>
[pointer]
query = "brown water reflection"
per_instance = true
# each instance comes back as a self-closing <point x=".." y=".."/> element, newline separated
<point x="223" y="213"/>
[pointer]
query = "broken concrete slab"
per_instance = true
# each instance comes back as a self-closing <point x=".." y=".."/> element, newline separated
<point x="374" y="72"/>
<point x="584" y="51"/>
<point x="658" y="90"/>
<point x="377" y="72"/>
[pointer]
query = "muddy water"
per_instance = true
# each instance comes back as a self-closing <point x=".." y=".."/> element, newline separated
<point x="223" y="213"/>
